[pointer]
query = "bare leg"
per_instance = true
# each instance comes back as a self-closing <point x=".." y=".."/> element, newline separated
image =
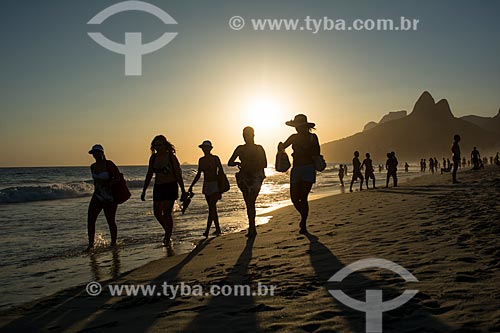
<point x="250" y="200"/>
<point x="212" y="213"/>
<point x="95" y="208"/>
<point x="299" y="193"/>
<point x="168" y="206"/>
<point x="305" y="189"/>
<point x="110" y="213"/>
<point x="209" y="218"/>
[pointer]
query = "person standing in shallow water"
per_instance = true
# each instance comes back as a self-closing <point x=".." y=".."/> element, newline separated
<point x="211" y="166"/>
<point x="341" y="175"/>
<point x="168" y="177"/>
<point x="305" y="147"/>
<point x="252" y="163"/>
<point x="368" y="164"/>
<point x="104" y="173"/>
<point x="356" y="171"/>
<point x="392" y="169"/>
<point x="455" y="150"/>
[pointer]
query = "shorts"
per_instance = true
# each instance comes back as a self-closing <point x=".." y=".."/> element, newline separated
<point x="166" y="192"/>
<point x="249" y="183"/>
<point x="303" y="173"/>
<point x="369" y="174"/>
<point x="210" y="188"/>
<point x="357" y="175"/>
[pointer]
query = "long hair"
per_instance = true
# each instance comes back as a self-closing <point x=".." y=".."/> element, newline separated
<point x="162" y="139"/>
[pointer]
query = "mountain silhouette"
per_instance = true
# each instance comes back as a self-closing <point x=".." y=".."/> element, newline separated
<point x="491" y="124"/>
<point x="426" y="132"/>
<point x="393" y="115"/>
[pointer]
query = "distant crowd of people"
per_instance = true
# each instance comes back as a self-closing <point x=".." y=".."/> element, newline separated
<point x="250" y="158"/>
<point x="475" y="161"/>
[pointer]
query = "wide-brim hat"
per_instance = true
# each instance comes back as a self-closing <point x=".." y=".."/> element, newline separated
<point x="96" y="148"/>
<point x="300" y="120"/>
<point x="206" y="143"/>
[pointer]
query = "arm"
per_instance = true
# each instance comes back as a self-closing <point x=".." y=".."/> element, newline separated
<point x="219" y="166"/>
<point x="178" y="173"/>
<point x="149" y="176"/>
<point x="287" y="143"/>
<point x="115" y="172"/>
<point x="232" y="160"/>
<point x="92" y="171"/>
<point x="196" y="178"/>
<point x="317" y="147"/>
<point x="263" y="158"/>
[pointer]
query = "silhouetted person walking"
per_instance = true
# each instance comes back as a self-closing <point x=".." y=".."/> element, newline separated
<point x="455" y="150"/>
<point x="406" y="166"/>
<point x="392" y="169"/>
<point x="104" y="173"/>
<point x="305" y="147"/>
<point x="165" y="166"/>
<point x="369" y="171"/>
<point x="341" y="175"/>
<point x="475" y="158"/>
<point x="251" y="175"/>
<point x="356" y="171"/>
<point x="497" y="159"/>
<point x="211" y="166"/>
<point x="431" y="164"/>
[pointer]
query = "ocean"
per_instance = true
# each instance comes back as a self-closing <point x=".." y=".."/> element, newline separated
<point x="43" y="225"/>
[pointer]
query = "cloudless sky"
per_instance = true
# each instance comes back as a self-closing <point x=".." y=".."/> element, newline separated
<point x="61" y="92"/>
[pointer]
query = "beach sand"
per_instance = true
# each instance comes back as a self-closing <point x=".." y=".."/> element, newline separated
<point x="446" y="235"/>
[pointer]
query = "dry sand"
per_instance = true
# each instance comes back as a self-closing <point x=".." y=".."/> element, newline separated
<point x="446" y="235"/>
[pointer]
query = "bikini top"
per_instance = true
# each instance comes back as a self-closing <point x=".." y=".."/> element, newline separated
<point x="165" y="169"/>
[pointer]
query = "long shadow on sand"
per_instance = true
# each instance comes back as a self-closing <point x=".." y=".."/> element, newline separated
<point x="230" y="313"/>
<point x="411" y="317"/>
<point x="63" y="312"/>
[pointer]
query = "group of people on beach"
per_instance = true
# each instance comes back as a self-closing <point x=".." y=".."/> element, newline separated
<point x="250" y="158"/>
<point x="391" y="166"/>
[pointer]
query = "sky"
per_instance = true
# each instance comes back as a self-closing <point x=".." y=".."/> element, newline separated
<point x="61" y="92"/>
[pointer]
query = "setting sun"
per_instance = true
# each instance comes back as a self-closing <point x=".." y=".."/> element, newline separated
<point x="263" y="112"/>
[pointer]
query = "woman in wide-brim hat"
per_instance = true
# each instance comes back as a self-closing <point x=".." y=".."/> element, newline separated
<point x="305" y="146"/>
<point x="211" y="166"/>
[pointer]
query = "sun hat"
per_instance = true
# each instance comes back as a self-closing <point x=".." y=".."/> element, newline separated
<point x="300" y="120"/>
<point x="206" y="143"/>
<point x="96" y="148"/>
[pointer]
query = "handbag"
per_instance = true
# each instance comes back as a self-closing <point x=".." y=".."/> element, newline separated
<point x="319" y="163"/>
<point x="282" y="161"/>
<point x="319" y="160"/>
<point x="119" y="188"/>
<point x="222" y="181"/>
